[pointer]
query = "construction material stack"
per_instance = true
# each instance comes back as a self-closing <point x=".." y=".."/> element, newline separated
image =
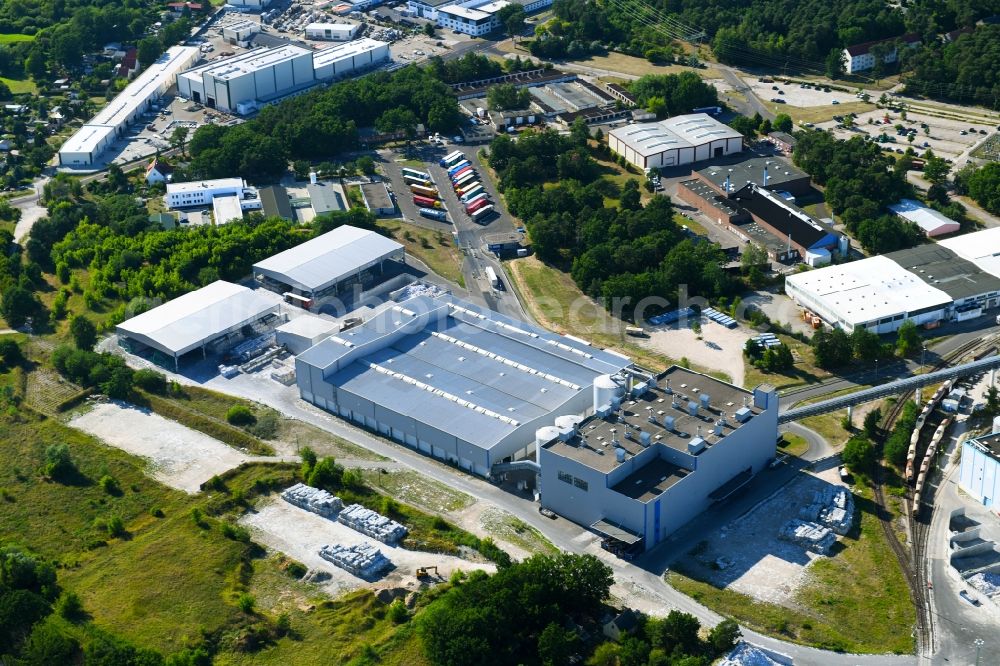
<point x="372" y="524"/>
<point x="312" y="499"/>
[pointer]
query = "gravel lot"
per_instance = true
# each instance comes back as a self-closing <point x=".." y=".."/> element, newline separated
<point x="300" y="534"/>
<point x="179" y="457"/>
<point x="764" y="567"/>
<point x="945" y="138"/>
<point x="719" y="349"/>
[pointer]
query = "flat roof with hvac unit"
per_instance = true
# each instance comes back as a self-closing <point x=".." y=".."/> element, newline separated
<point x="320" y="264"/>
<point x="191" y="321"/>
<point x="453" y="380"/>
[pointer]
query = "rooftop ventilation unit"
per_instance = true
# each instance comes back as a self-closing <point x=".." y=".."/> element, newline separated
<point x="667" y="389"/>
<point x="668" y="423"/>
<point x="706" y="400"/>
<point x="743" y="414"/>
<point x="696" y="446"/>
<point x="644" y="438"/>
<point x="693" y="408"/>
<point x="620" y="455"/>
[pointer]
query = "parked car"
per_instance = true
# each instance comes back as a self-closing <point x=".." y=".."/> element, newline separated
<point x="968" y="597"/>
<point x="548" y="513"/>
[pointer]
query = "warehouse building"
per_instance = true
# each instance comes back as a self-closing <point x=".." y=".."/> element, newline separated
<point x="446" y="378"/>
<point x="954" y="280"/>
<point x="349" y="59"/>
<point x="241" y="83"/>
<point x="332" y="32"/>
<point x="377" y="199"/>
<point x="473" y="17"/>
<point x="656" y="452"/>
<point x="675" y="141"/>
<point x="208" y="319"/>
<point x="930" y="221"/>
<point x="772" y="173"/>
<point x="980" y="472"/>
<point x="330" y="263"/>
<point x="805" y="239"/>
<point x="86" y="146"/>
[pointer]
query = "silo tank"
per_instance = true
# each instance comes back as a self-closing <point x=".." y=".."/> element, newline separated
<point x="545" y="434"/>
<point x="606" y="391"/>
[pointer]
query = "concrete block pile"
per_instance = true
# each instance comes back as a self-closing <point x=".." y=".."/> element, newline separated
<point x="833" y="506"/>
<point x="812" y="536"/>
<point x="987" y="583"/>
<point x="372" y="523"/>
<point x="312" y="499"/>
<point x="363" y="560"/>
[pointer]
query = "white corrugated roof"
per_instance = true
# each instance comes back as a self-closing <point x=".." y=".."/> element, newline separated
<point x="329" y="258"/>
<point x="348" y="50"/>
<point x="687" y="131"/>
<point x="867" y="290"/>
<point x="183" y="324"/>
<point x="931" y="221"/>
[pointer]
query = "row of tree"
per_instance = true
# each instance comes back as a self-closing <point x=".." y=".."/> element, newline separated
<point x="323" y="124"/>
<point x="860" y="182"/>
<point x="833" y="348"/>
<point x="628" y="251"/>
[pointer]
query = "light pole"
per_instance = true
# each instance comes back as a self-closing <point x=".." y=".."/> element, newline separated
<point x="979" y="642"/>
<point x="923" y="349"/>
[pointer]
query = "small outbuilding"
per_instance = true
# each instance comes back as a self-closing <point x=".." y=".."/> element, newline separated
<point x="930" y="221"/>
<point x="303" y="332"/>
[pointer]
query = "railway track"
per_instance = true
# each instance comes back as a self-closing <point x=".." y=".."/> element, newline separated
<point x="911" y="559"/>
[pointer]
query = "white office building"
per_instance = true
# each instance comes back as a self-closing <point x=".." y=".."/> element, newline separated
<point x="474" y="17"/>
<point x="204" y="193"/>
<point x="675" y="141"/>
<point x="332" y="32"/>
<point x="241" y="83"/>
<point x="248" y="4"/>
<point x="859" y="57"/>
<point x="86" y="146"/>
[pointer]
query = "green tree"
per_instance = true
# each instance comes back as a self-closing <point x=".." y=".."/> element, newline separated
<point x="859" y="455"/>
<point x="831" y="348"/>
<point x="723" y="637"/>
<point x="10" y="353"/>
<point x="992" y="401"/>
<point x="366" y="164"/>
<point x="48" y="645"/>
<point x="631" y="198"/>
<point x="326" y="474"/>
<point x="179" y="137"/>
<point x="308" y="461"/>
<point x="866" y="346"/>
<point x="908" y="340"/>
<point x="606" y="654"/>
<point x="936" y="170"/>
<point x="512" y="19"/>
<point x="506" y="96"/>
<point x="83" y="331"/>
<point x="782" y="122"/>
<point x="871" y="422"/>
<point x="58" y="463"/>
<point x="556" y="645"/>
<point x="429" y="30"/>
<point x="678" y="632"/>
<point x="148" y="50"/>
<point x="18" y="305"/>
<point x="983" y="185"/>
<point x="399" y="119"/>
<point x="745" y="126"/>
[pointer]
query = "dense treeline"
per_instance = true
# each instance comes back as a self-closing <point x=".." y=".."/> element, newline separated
<point x="860" y="182"/>
<point x="630" y="251"/>
<point x="673" y="94"/>
<point x="474" y="67"/>
<point x="65" y="30"/>
<point x="966" y="69"/>
<point x="750" y="32"/>
<point x="982" y="184"/>
<point x="323" y="123"/>
<point x="525" y="613"/>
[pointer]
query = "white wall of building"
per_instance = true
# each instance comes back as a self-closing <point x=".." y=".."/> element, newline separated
<point x="980" y="474"/>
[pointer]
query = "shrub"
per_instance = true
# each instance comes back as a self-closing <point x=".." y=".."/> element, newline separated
<point x="115" y="527"/>
<point x="150" y="380"/>
<point x="859" y="455"/>
<point x="397" y="612"/>
<point x="110" y="485"/>
<point x="296" y="569"/>
<point x="58" y="464"/>
<point x="246" y="602"/>
<point x="240" y="415"/>
<point x="69" y="606"/>
<point x="198" y="517"/>
<point x="235" y="532"/>
<point x="266" y="426"/>
<point x="156" y="512"/>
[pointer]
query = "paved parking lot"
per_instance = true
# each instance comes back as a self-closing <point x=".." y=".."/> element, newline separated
<point x="797" y="95"/>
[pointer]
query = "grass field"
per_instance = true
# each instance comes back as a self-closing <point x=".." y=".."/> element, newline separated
<point x="13" y="38"/>
<point x="803" y="373"/>
<point x="413" y="488"/>
<point x="818" y="114"/>
<point x="625" y="64"/>
<point x="793" y="445"/>
<point x="19" y="86"/>
<point x="434" y="248"/>
<point x="555" y="302"/>
<point x="855" y="601"/>
<point x="513" y="530"/>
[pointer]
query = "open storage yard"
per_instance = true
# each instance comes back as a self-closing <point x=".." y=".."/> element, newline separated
<point x="855" y="600"/>
<point x="300" y="534"/>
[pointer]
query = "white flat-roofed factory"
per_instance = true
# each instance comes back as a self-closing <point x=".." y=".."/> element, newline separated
<point x="954" y="280"/>
<point x="456" y="382"/>
<point x="675" y="141"/>
<point x="243" y="83"/>
<point x="86" y="146"/>
<point x="334" y="32"/>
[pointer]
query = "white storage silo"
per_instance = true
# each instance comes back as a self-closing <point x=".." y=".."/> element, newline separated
<point x="606" y="391"/>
